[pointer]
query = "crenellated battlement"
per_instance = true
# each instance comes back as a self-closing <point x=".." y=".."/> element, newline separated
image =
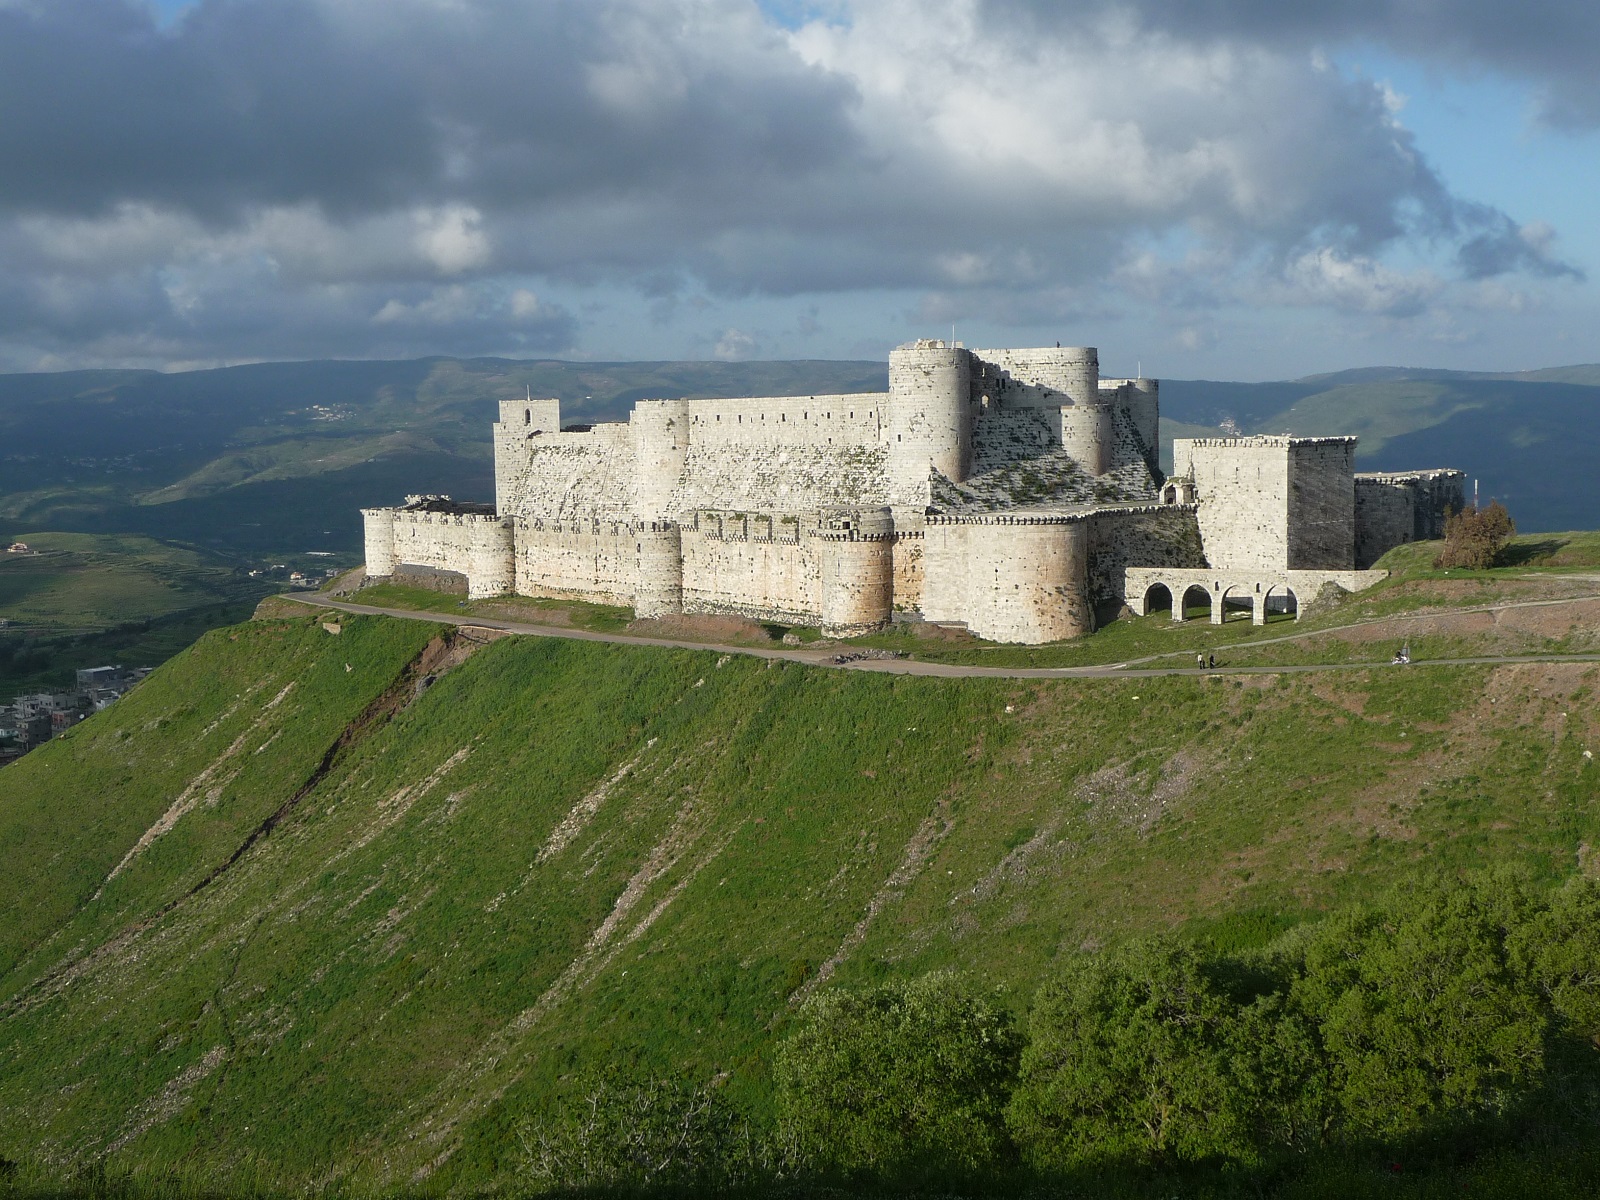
<point x="1010" y="489"/>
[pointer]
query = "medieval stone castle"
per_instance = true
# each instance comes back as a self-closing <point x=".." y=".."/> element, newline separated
<point x="1011" y="491"/>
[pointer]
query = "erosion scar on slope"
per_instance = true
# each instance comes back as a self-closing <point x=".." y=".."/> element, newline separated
<point x="464" y="1086"/>
<point x="918" y="850"/>
<point x="584" y="810"/>
<point x="206" y="785"/>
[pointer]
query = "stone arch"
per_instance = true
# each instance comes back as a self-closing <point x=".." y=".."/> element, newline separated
<point x="1238" y="601"/>
<point x="1157" y="598"/>
<point x="1194" y="596"/>
<point x="1280" y="602"/>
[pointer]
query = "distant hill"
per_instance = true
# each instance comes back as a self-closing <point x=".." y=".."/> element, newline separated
<point x="275" y="458"/>
<point x="1526" y="436"/>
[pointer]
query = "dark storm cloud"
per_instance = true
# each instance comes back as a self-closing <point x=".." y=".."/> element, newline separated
<point x="286" y="177"/>
<point x="357" y="107"/>
<point x="1550" y="43"/>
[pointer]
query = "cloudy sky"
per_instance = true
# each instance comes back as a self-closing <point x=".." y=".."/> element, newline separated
<point x="1240" y="189"/>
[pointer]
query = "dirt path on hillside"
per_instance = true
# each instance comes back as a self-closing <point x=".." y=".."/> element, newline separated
<point x="903" y="666"/>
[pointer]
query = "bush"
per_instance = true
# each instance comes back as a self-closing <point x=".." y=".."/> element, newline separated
<point x="1421" y="1013"/>
<point x="903" y="1079"/>
<point x="1130" y="1056"/>
<point x="616" y="1132"/>
<point x="1474" y="537"/>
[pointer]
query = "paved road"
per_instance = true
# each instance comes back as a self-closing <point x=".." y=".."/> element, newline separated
<point x="902" y="666"/>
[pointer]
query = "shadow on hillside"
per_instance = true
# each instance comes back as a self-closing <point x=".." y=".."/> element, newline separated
<point x="1524" y="554"/>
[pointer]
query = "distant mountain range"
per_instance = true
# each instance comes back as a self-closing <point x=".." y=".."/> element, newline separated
<point x="277" y="457"/>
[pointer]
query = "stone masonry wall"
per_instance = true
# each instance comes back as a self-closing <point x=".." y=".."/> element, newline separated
<point x="909" y="551"/>
<point x="1393" y="508"/>
<point x="1010" y="578"/>
<point x="597" y="561"/>
<point x="1322" y="504"/>
<point x="575" y="476"/>
<point x="1141" y="536"/>
<point x="769" y="578"/>
<point x="1385" y="518"/>
<point x="1242" y="486"/>
<point x="476" y="546"/>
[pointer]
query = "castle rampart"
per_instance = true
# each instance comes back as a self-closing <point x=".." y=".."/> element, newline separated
<point x="1013" y="490"/>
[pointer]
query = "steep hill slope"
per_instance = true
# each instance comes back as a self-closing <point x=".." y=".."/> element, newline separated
<point x="288" y="915"/>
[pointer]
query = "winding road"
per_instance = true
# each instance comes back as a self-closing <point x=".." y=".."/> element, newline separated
<point x="904" y="666"/>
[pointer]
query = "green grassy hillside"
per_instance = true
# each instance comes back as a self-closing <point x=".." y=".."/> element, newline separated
<point x="286" y="917"/>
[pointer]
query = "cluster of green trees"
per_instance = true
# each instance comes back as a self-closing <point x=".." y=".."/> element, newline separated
<point x="1448" y="1014"/>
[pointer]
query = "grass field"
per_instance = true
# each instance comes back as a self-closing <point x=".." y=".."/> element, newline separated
<point x="566" y="853"/>
<point x="87" y="599"/>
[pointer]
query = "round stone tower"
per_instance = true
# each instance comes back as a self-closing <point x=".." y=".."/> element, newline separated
<point x="660" y="431"/>
<point x="1086" y="426"/>
<point x="1144" y="406"/>
<point x="857" y="573"/>
<point x="658" y="591"/>
<point x="930" y="402"/>
<point x="379" y="531"/>
<point x="491" y="563"/>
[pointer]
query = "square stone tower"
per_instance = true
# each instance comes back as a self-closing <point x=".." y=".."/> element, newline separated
<point x="1271" y="503"/>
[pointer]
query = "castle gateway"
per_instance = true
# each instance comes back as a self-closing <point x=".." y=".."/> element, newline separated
<point x="1013" y="491"/>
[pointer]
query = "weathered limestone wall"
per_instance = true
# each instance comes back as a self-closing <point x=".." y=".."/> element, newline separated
<point x="1385" y="518"/>
<point x="1140" y="401"/>
<point x="725" y="570"/>
<point x="1010" y="577"/>
<point x="575" y="476"/>
<point x="597" y="561"/>
<point x="909" y="550"/>
<point x="475" y="545"/>
<point x="1135" y="425"/>
<point x="1322" y="504"/>
<point x="1396" y="507"/>
<point x="1242" y="490"/>
<point x="799" y="479"/>
<point x="1150" y="535"/>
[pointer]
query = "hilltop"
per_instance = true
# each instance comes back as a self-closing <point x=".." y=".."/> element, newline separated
<point x="337" y="899"/>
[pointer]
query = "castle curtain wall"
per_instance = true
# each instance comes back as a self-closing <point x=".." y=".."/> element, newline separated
<point x="768" y="578"/>
<point x="1009" y="578"/>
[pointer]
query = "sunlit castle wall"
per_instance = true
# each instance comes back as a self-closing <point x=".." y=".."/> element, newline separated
<point x="930" y="418"/>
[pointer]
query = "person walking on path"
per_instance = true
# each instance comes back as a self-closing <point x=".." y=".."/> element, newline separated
<point x="1200" y="661"/>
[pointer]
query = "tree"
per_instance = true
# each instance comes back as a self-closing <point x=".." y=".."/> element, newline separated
<point x="1559" y="951"/>
<point x="905" y="1078"/>
<point x="1130" y="1056"/>
<point x="1421" y="1013"/>
<point x="1474" y="537"/>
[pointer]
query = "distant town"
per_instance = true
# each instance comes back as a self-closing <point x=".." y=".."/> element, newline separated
<point x="32" y="720"/>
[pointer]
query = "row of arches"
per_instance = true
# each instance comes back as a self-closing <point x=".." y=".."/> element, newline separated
<point x="1258" y="603"/>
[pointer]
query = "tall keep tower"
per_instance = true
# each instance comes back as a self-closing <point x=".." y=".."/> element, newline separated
<point x="930" y="415"/>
